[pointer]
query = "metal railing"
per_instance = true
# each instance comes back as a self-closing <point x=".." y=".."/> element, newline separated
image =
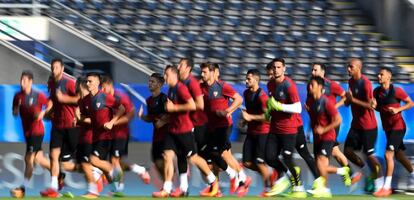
<point x="67" y="15"/>
<point x="49" y="54"/>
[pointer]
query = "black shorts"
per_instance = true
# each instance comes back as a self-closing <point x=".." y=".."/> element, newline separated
<point x="218" y="140"/>
<point x="395" y="140"/>
<point x="33" y="143"/>
<point x="83" y="152"/>
<point x="280" y="143"/>
<point x="181" y="144"/>
<point x="157" y="150"/>
<point x="362" y="139"/>
<point x="201" y="142"/>
<point x="301" y="139"/>
<point x="323" y="148"/>
<point x="101" y="149"/>
<point x="65" y="139"/>
<point x="119" y="147"/>
<point x="254" y="148"/>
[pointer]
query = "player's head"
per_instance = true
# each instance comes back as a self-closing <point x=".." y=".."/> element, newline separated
<point x="26" y="80"/>
<point x="318" y="69"/>
<point x="93" y="82"/>
<point x="316" y="85"/>
<point x="81" y="86"/>
<point x="57" y="68"/>
<point x="207" y="71"/>
<point x="184" y="67"/>
<point x="252" y="78"/>
<point x="171" y="75"/>
<point x="107" y="84"/>
<point x="279" y="67"/>
<point x="354" y="67"/>
<point x="269" y="70"/>
<point x="155" y="82"/>
<point x="384" y="75"/>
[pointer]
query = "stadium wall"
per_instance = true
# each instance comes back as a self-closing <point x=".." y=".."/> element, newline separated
<point x="393" y="18"/>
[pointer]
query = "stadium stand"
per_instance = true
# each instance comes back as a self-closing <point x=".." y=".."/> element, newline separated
<point x="239" y="34"/>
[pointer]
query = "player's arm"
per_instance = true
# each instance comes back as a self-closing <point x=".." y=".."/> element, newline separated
<point x="341" y="101"/>
<point x="336" y="121"/>
<point x="124" y="119"/>
<point x="188" y="106"/>
<point x="146" y="118"/>
<point x="249" y="117"/>
<point x="365" y="104"/>
<point x="237" y="101"/>
<point x="199" y="102"/>
<point x="120" y="111"/>
<point x="67" y="99"/>
<point x="408" y="103"/>
<point x="162" y="120"/>
<point x="16" y="105"/>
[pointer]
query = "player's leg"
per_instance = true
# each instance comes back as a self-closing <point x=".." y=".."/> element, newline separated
<point x="369" y="140"/>
<point x="302" y="149"/>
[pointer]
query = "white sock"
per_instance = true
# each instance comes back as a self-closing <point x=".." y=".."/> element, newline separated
<point x="340" y="171"/>
<point x="54" y="183"/>
<point x="387" y="183"/>
<point x="231" y="172"/>
<point x="167" y="186"/>
<point x="211" y="178"/>
<point x="93" y="188"/>
<point x="379" y="182"/>
<point x="121" y="187"/>
<point x="137" y="169"/>
<point x="242" y="176"/>
<point x="26" y="182"/>
<point x="96" y="175"/>
<point x="184" y="182"/>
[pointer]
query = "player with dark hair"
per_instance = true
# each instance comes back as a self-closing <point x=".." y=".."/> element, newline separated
<point x="120" y="136"/>
<point x="283" y="106"/>
<point x="216" y="105"/>
<point x="180" y="139"/>
<point x="388" y="98"/>
<point x="257" y="127"/>
<point x="159" y="118"/>
<point x="31" y="105"/>
<point x="103" y="120"/>
<point x="64" y="134"/>
<point x="363" y="132"/>
<point x="332" y="90"/>
<point x="324" y="119"/>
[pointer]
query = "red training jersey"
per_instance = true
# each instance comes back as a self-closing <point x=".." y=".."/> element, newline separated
<point x="180" y="122"/>
<point x="198" y="117"/>
<point x="86" y="135"/>
<point x="102" y="111"/>
<point x="322" y="112"/>
<point x="255" y="103"/>
<point x="122" y="131"/>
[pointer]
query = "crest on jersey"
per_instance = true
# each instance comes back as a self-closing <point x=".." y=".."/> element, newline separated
<point x="30" y="101"/>
<point x="215" y="93"/>
<point x="318" y="108"/>
<point x="281" y="93"/>
<point x="323" y="91"/>
<point x="98" y="104"/>
<point x="356" y="90"/>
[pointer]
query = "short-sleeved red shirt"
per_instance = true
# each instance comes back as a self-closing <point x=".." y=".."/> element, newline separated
<point x="29" y="107"/>
<point x="322" y="112"/>
<point x="102" y="111"/>
<point x="198" y="117"/>
<point x="285" y="92"/>
<point x="180" y="122"/>
<point x="216" y="98"/>
<point x="63" y="114"/>
<point x="362" y="118"/>
<point x="86" y="136"/>
<point x="390" y="98"/>
<point x="255" y="103"/>
<point x="122" y="131"/>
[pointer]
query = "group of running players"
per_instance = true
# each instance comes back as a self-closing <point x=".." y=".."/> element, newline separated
<point x="192" y="123"/>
